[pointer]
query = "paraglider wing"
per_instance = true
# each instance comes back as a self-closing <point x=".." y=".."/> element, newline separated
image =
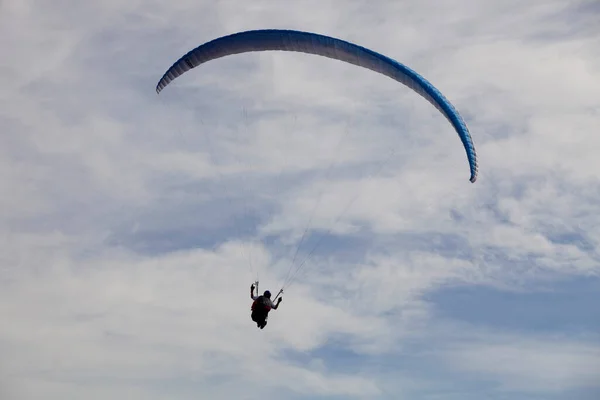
<point x="312" y="43"/>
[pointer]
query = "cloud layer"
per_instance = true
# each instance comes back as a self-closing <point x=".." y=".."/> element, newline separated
<point x="133" y="223"/>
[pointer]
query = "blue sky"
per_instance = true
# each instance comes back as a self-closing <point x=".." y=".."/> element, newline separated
<point x="134" y="223"/>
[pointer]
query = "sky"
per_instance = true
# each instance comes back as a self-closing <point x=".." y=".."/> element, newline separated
<point x="133" y="223"/>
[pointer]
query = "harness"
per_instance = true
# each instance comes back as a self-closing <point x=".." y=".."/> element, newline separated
<point x="261" y="305"/>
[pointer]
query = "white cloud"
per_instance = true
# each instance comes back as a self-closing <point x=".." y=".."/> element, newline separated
<point x="535" y="365"/>
<point x="100" y="175"/>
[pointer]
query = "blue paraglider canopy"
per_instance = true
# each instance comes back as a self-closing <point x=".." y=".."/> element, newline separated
<point x="312" y="43"/>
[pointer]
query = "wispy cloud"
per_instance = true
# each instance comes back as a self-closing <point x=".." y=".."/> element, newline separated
<point x="133" y="224"/>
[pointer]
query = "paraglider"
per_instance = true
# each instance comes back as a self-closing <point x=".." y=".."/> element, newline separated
<point x="330" y="47"/>
<point x="312" y="43"/>
<point x="261" y="307"/>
